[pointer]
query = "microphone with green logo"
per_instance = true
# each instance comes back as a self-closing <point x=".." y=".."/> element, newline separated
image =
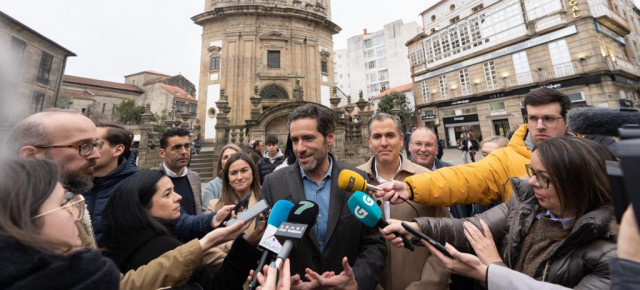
<point x="364" y="208"/>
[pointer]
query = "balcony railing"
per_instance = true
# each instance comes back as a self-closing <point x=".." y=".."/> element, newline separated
<point x="623" y="65"/>
<point x="539" y="75"/>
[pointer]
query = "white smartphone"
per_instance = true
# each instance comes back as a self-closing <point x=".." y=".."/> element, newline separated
<point x="250" y="213"/>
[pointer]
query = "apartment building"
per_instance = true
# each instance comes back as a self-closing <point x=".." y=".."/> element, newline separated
<point x="375" y="61"/>
<point x="475" y="60"/>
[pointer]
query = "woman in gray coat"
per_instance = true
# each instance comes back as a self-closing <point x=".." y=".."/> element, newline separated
<point x="556" y="228"/>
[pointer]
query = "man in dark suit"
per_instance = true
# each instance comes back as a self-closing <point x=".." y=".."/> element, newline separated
<point x="338" y="242"/>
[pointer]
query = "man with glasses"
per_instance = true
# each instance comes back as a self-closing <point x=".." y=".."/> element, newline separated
<point x="483" y="182"/>
<point x="403" y="269"/>
<point x="68" y="138"/>
<point x="424" y="149"/>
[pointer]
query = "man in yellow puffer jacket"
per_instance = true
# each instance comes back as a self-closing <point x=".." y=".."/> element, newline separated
<point x="483" y="182"/>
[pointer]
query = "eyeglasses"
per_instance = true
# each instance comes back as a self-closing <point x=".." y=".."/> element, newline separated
<point x="83" y="149"/>
<point x="543" y="181"/>
<point x="425" y="145"/>
<point x="75" y="207"/>
<point x="546" y="120"/>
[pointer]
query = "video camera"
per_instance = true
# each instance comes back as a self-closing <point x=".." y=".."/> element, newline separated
<point x="624" y="176"/>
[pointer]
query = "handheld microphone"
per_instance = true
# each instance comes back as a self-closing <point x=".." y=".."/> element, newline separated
<point x="302" y="217"/>
<point x="601" y="121"/>
<point x="364" y="208"/>
<point x="269" y="243"/>
<point x="351" y="181"/>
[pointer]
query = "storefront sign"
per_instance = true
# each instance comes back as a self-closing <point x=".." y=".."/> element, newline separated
<point x="574" y="8"/>
<point x="627" y="81"/>
<point x="428" y="117"/>
<point x="461" y="119"/>
<point x="608" y="32"/>
<point x="549" y="86"/>
<point x="569" y="30"/>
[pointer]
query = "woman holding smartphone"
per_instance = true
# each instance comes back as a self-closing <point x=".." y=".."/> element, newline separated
<point x="557" y="228"/>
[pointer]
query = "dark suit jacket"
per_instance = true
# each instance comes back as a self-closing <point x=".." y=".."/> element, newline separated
<point x="346" y="236"/>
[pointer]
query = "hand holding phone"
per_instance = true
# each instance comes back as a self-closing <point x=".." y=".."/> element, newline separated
<point x="250" y="213"/>
<point x="426" y="238"/>
<point x="239" y="205"/>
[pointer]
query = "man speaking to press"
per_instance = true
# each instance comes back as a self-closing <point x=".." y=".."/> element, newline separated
<point x="338" y="242"/>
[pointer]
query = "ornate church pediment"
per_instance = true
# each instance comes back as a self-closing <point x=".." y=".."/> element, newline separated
<point x="274" y="35"/>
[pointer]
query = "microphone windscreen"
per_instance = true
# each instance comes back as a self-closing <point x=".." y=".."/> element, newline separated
<point x="305" y="212"/>
<point x="279" y="212"/>
<point x="364" y="208"/>
<point x="351" y="181"/>
<point x="601" y="121"/>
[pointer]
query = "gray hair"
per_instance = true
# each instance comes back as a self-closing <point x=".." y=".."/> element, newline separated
<point x="383" y="116"/>
<point x="29" y="131"/>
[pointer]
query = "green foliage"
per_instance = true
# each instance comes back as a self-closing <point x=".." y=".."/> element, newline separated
<point x="129" y="113"/>
<point x="401" y="102"/>
<point x="159" y="128"/>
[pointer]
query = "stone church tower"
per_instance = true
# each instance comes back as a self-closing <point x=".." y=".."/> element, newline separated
<point x="264" y="56"/>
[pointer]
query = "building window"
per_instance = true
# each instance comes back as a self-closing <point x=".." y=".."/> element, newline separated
<point x="215" y="63"/>
<point x="372" y="77"/>
<point x="323" y="64"/>
<point x="521" y="67"/>
<point x="103" y="107"/>
<point x="425" y="91"/>
<point x="383" y="75"/>
<point x="382" y="62"/>
<point x="578" y="97"/>
<point x="444" y="92"/>
<point x="37" y="102"/>
<point x="416" y="54"/>
<point x="490" y="75"/>
<point x="17" y="51"/>
<point x="273" y="59"/>
<point x="497" y="107"/>
<point x="477" y="8"/>
<point x="464" y="81"/>
<point x="45" y="68"/>
<point x="370" y="53"/>
<point x="370" y="65"/>
<point x="454" y="19"/>
<point x="560" y="58"/>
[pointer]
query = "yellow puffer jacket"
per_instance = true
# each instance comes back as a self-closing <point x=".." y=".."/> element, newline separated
<point x="480" y="182"/>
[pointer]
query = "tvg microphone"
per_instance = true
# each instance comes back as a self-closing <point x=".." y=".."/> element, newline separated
<point x="364" y="208"/>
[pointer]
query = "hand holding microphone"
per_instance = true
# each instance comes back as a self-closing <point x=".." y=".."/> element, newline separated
<point x="393" y="191"/>
<point x="271" y="246"/>
<point x="364" y="208"/>
<point x="302" y="217"/>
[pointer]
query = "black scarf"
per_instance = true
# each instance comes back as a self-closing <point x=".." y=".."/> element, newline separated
<point x="24" y="267"/>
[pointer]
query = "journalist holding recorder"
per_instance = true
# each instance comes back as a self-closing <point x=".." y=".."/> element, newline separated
<point x="555" y="228"/>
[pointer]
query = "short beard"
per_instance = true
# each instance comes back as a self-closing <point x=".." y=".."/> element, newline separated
<point x="76" y="182"/>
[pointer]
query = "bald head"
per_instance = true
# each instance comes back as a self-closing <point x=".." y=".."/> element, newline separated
<point x="423" y="147"/>
<point x="57" y="135"/>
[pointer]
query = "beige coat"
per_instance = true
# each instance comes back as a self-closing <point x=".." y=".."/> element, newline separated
<point x="405" y="269"/>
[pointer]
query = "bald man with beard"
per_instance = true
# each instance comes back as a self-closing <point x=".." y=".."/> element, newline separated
<point x="68" y="138"/>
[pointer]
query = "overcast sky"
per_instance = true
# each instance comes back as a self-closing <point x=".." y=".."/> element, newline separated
<point x="119" y="37"/>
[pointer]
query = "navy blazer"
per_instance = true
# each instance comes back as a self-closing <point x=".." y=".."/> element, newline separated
<point x="346" y="236"/>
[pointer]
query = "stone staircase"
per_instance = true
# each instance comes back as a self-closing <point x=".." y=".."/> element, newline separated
<point x="203" y="163"/>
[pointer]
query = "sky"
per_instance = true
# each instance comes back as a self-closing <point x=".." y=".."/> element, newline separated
<point x="119" y="37"/>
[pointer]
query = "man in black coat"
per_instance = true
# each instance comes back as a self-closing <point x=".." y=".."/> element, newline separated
<point x="338" y="242"/>
<point x="273" y="157"/>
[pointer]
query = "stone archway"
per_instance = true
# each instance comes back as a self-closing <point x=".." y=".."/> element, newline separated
<point x="278" y="126"/>
<point x="274" y="91"/>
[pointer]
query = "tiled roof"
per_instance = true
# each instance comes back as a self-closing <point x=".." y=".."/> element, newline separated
<point x="177" y="92"/>
<point x="148" y="72"/>
<point x="100" y="83"/>
<point x="400" y="89"/>
<point x="81" y="95"/>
